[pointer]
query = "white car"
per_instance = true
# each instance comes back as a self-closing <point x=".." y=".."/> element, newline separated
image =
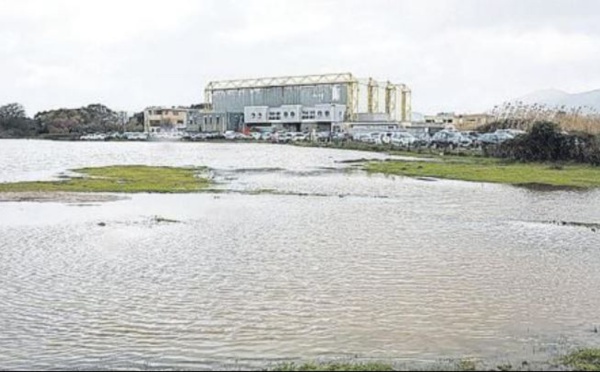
<point x="403" y="139"/>
<point x="93" y="137"/>
<point x="370" y="137"/>
<point x="296" y="137"/>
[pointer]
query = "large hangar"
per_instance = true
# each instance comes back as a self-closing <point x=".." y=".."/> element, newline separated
<point x="311" y="101"/>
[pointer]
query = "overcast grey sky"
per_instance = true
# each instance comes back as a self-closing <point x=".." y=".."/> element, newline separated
<point x="459" y="55"/>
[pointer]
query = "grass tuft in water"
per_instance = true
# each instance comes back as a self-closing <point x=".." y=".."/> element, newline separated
<point x="121" y="179"/>
<point x="583" y="360"/>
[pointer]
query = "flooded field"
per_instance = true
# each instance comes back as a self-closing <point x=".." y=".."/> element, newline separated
<point x="306" y="258"/>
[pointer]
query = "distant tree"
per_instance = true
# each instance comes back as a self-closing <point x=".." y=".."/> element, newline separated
<point x="12" y="111"/>
<point x="89" y="119"/>
<point x="14" y="123"/>
<point x="135" y="123"/>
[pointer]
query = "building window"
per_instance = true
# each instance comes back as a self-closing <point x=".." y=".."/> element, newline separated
<point x="253" y="115"/>
<point x="179" y="121"/>
<point x="293" y="114"/>
<point x="320" y="114"/>
<point x="285" y="114"/>
<point x="327" y="113"/>
<point x="218" y="120"/>
<point x="260" y="115"/>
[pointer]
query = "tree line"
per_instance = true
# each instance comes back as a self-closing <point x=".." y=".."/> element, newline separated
<point x="14" y="122"/>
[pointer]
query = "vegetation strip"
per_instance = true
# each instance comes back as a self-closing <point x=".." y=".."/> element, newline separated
<point x="583" y="360"/>
<point x="579" y="360"/>
<point x="120" y="179"/>
<point x="494" y="171"/>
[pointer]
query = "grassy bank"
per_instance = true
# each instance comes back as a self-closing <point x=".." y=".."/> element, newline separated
<point x="494" y="171"/>
<point x="580" y="360"/>
<point x="121" y="179"/>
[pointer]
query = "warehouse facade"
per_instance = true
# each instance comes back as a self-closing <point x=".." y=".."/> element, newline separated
<point x="303" y="103"/>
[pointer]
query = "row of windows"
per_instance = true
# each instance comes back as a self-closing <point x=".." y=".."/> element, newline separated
<point x="160" y="122"/>
<point x="306" y="114"/>
<point x="209" y="120"/>
<point x="167" y="112"/>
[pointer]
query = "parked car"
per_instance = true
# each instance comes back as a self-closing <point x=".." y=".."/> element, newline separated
<point x="360" y="136"/>
<point x="384" y="138"/>
<point x="341" y="136"/>
<point x="422" y="139"/>
<point x="472" y="135"/>
<point x="446" y="138"/>
<point x="403" y="139"/>
<point x="323" y="136"/>
<point x="494" y="138"/>
<point x="371" y="137"/>
<point x="93" y="137"/>
<point x="230" y="135"/>
<point x="135" y="136"/>
<point x="511" y="132"/>
<point x="198" y="136"/>
<point x="256" y="135"/>
<point x="282" y="137"/>
<point x="299" y="136"/>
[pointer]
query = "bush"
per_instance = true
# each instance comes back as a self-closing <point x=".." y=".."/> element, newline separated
<point x="546" y="142"/>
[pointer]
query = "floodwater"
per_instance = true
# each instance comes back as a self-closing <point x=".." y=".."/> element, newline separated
<point x="340" y="264"/>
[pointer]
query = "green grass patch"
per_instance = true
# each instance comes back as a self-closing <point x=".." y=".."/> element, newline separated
<point x="333" y="366"/>
<point x="121" y="179"/>
<point x="492" y="170"/>
<point x="583" y="360"/>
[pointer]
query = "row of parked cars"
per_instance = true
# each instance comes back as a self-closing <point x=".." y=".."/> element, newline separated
<point x="129" y="136"/>
<point x="444" y="138"/>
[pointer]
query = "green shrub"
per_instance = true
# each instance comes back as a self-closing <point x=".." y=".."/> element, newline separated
<point x="545" y="142"/>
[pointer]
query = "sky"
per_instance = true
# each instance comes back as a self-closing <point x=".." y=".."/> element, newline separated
<point x="456" y="55"/>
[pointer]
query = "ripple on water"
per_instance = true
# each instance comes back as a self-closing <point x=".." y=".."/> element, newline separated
<point x="397" y="268"/>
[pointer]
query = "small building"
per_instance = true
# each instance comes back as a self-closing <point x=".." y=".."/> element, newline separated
<point x="443" y="118"/>
<point x="165" y="119"/>
<point x="473" y="121"/>
<point x="460" y="121"/>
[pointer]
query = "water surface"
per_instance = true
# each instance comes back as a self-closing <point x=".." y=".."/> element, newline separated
<point x="347" y="264"/>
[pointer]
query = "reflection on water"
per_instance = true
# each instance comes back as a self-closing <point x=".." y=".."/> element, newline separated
<point x="379" y="267"/>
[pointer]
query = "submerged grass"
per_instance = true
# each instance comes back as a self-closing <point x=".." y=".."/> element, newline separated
<point x="583" y="360"/>
<point x="495" y="171"/>
<point x="335" y="366"/>
<point x="121" y="179"/>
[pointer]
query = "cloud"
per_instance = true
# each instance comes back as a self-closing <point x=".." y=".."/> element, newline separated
<point x="462" y="55"/>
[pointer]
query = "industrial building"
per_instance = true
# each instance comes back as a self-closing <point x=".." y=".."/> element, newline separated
<point x="312" y="102"/>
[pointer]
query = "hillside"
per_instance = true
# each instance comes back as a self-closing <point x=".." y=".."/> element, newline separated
<point x="588" y="101"/>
